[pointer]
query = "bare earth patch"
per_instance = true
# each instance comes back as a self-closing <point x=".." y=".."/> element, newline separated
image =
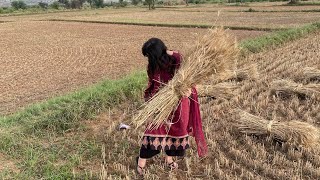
<point x="40" y="60"/>
<point x="6" y="164"/>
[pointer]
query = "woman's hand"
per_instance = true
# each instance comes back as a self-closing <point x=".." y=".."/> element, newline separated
<point x="170" y="53"/>
<point x="187" y="93"/>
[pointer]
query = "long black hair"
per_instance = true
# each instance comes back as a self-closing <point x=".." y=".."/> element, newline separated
<point x="156" y="51"/>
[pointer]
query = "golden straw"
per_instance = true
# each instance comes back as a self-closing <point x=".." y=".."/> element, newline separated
<point x="295" y="132"/>
<point x="213" y="54"/>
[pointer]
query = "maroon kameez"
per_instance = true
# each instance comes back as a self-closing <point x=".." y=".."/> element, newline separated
<point x="186" y="120"/>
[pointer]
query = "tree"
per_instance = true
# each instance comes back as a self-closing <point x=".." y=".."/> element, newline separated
<point x="90" y="2"/>
<point x="55" y="5"/>
<point x="43" y="5"/>
<point x="76" y="4"/>
<point x="65" y="2"/>
<point x="19" y="4"/>
<point x="150" y="3"/>
<point x="135" y="2"/>
<point x="98" y="3"/>
<point x="293" y="2"/>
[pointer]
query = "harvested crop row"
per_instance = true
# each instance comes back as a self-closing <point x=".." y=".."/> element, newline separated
<point x="234" y="19"/>
<point x="40" y="60"/>
<point x="234" y="155"/>
<point x="252" y="152"/>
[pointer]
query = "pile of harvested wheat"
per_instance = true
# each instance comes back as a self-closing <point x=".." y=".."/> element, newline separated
<point x="296" y="132"/>
<point x="289" y="88"/>
<point x="309" y="74"/>
<point x="221" y="90"/>
<point x="213" y="54"/>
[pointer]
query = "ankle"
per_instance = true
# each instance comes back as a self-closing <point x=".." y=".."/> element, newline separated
<point x="142" y="162"/>
<point x="169" y="159"/>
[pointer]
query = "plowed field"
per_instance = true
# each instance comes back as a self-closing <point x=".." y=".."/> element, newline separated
<point x="235" y="16"/>
<point x="40" y="60"/>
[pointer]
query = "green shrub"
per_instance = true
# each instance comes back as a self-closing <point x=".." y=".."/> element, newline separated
<point x="160" y="2"/>
<point x="19" y="4"/>
<point x="98" y="3"/>
<point x="123" y="3"/>
<point x="108" y="4"/>
<point x="55" y="5"/>
<point x="135" y="2"/>
<point x="65" y="3"/>
<point x="251" y="10"/>
<point x="76" y="4"/>
<point x="43" y="5"/>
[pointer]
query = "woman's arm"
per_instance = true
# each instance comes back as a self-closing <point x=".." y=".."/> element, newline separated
<point x="178" y="58"/>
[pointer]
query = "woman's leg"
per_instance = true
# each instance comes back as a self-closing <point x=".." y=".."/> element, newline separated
<point x="143" y="156"/>
<point x="169" y="157"/>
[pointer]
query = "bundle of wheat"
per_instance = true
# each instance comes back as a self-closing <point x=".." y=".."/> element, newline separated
<point x="214" y="53"/>
<point x="221" y="90"/>
<point x="288" y="88"/>
<point x="295" y="132"/>
<point x="310" y="74"/>
<point x="248" y="72"/>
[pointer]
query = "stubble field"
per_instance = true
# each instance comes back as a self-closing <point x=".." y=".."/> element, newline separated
<point x="231" y="19"/>
<point x="233" y="155"/>
<point x="43" y="59"/>
<point x="267" y="16"/>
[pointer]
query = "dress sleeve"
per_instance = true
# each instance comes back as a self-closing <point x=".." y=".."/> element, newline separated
<point x="178" y="58"/>
<point x="153" y="85"/>
<point x="147" y="91"/>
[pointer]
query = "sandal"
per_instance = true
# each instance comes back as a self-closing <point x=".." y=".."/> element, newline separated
<point x="173" y="165"/>
<point x="141" y="172"/>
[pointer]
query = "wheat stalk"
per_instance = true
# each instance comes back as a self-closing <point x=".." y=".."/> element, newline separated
<point x="213" y="54"/>
<point x="295" y="132"/>
<point x="221" y="90"/>
<point x="292" y="88"/>
<point x="309" y="74"/>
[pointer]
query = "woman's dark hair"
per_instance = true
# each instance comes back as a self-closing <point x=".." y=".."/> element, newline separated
<point x="156" y="51"/>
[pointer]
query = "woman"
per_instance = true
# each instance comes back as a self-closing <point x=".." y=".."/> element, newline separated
<point x="172" y="137"/>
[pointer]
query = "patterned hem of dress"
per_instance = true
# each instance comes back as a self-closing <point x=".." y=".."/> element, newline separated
<point x="165" y="143"/>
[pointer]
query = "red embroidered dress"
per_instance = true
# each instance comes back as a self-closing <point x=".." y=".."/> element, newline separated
<point x="175" y="134"/>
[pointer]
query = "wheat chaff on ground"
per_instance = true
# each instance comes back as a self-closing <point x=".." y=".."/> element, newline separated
<point x="287" y="88"/>
<point x="309" y="74"/>
<point x="213" y="54"/>
<point x="221" y="90"/>
<point x="295" y="132"/>
<point x="248" y="72"/>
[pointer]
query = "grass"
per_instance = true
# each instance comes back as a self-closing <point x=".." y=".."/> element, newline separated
<point x="277" y="38"/>
<point x="30" y="136"/>
<point x="61" y="113"/>
<point x="46" y="140"/>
